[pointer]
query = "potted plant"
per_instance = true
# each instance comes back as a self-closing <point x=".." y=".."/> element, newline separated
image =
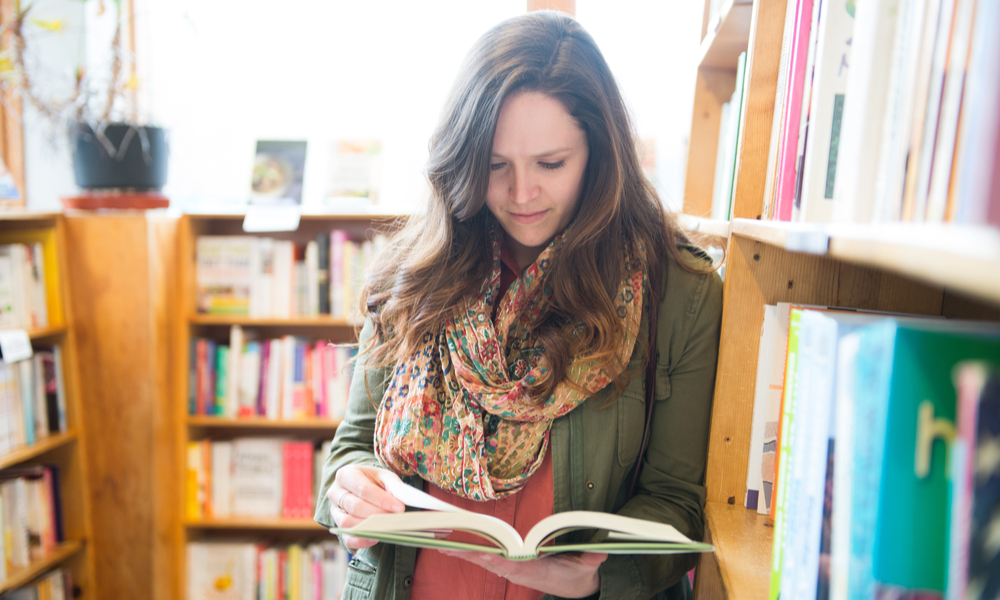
<point x="111" y="148"/>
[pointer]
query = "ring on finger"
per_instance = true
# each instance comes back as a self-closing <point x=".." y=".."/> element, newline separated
<point x="340" y="502"/>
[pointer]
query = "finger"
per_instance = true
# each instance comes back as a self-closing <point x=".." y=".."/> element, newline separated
<point x="361" y="485"/>
<point x="592" y="559"/>
<point x="356" y="543"/>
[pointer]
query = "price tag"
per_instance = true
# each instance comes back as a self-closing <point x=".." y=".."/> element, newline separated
<point x="261" y="219"/>
<point x="15" y="345"/>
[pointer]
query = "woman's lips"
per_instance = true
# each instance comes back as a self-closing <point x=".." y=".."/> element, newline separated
<point x="528" y="218"/>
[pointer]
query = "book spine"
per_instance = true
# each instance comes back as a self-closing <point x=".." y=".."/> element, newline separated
<point x="843" y="477"/>
<point x="793" y="110"/>
<point x="323" y="276"/>
<point x="26" y="381"/>
<point x="217" y="385"/>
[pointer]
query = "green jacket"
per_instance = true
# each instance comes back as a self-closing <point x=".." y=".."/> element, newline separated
<point x="594" y="448"/>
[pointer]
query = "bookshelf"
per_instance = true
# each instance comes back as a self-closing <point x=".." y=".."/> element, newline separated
<point x="192" y="324"/>
<point x="928" y="269"/>
<point x="68" y="449"/>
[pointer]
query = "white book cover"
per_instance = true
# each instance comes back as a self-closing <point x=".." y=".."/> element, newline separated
<point x="222" y="499"/>
<point x="8" y="313"/>
<point x="334" y="570"/>
<point x="257" y="477"/>
<point x="312" y="278"/>
<point x="338" y="239"/>
<point x="21" y="281"/>
<point x="224" y="274"/>
<point x="760" y="400"/>
<point x="275" y="381"/>
<point x="287" y="377"/>
<point x="843" y="470"/>
<point x="40" y="294"/>
<point x="221" y="571"/>
<point x="232" y="408"/>
<point x="951" y="103"/>
<point x="875" y="24"/>
<point x="249" y="379"/>
<point x="26" y="383"/>
<point x="262" y="266"/>
<point x="833" y="55"/>
<point x="896" y="125"/>
<point x="718" y="187"/>
<point x="775" y="387"/>
<point x="284" y="269"/>
<point x="5" y="393"/>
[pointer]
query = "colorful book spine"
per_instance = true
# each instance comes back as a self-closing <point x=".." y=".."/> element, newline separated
<point x="785" y="178"/>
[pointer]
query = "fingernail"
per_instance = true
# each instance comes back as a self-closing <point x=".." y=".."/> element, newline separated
<point x="399" y="508"/>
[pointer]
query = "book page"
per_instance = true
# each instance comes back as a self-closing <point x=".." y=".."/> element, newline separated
<point x="411" y="496"/>
<point x="619" y="528"/>
<point x="392" y="525"/>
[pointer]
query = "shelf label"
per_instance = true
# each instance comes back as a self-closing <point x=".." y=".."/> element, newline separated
<point x="261" y="219"/>
<point x="15" y="345"/>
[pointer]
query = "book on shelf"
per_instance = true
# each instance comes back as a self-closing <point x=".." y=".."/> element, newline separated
<point x="263" y="277"/>
<point x="615" y="534"/>
<point x="30" y="515"/>
<point x="32" y="400"/>
<point x="251" y="477"/>
<point x="885" y="111"/>
<point x="228" y="570"/>
<point x="728" y="146"/>
<point x="973" y="556"/>
<point x="23" y="296"/>
<point x="282" y="378"/>
<point x="54" y="585"/>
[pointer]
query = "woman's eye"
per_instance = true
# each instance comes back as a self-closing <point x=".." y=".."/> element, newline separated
<point x="496" y="166"/>
<point x="552" y="166"/>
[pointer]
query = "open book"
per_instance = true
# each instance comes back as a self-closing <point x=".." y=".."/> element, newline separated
<point x="624" y="535"/>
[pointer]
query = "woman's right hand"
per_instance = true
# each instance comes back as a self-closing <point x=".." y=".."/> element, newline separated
<point x="358" y="493"/>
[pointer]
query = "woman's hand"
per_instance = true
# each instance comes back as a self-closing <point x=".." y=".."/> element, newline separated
<point x="570" y="575"/>
<point x="358" y="493"/>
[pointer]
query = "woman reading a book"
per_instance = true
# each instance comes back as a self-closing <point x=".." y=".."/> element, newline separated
<point x="503" y="363"/>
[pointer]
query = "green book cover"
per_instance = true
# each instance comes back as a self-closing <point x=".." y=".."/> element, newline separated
<point x="221" y="380"/>
<point x="913" y="429"/>
<point x="784" y="445"/>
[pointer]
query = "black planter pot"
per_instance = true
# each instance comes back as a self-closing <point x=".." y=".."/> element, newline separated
<point x="127" y="156"/>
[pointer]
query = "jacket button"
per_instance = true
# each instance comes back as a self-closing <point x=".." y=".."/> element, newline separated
<point x="408" y="581"/>
<point x="590" y="485"/>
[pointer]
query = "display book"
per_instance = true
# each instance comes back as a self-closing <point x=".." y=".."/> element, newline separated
<point x="429" y="528"/>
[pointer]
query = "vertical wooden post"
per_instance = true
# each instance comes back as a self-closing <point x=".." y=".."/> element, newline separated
<point x="566" y="6"/>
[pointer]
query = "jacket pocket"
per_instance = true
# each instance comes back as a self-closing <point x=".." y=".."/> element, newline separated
<point x="631" y="423"/>
<point x="360" y="578"/>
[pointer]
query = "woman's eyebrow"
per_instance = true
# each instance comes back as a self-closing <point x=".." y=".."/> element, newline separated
<point x="545" y="154"/>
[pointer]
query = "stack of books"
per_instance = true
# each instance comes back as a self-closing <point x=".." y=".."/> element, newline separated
<point x="23" y="300"/>
<point x="54" y="585"/>
<point x="32" y="400"/>
<point x="30" y="518"/>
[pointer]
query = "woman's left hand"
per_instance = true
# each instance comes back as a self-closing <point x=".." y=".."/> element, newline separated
<point x="570" y="575"/>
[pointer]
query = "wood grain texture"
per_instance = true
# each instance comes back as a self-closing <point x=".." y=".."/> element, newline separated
<point x="743" y="550"/>
<point x="720" y="49"/>
<point x="109" y="272"/>
<point x="713" y="88"/>
<point x="763" y="62"/>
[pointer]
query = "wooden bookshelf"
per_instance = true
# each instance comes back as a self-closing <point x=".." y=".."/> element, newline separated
<point x="24" y="575"/>
<point x="191" y="324"/>
<point x="722" y="46"/>
<point x="942" y="270"/>
<point x="37" y="449"/>
<point x="67" y="450"/>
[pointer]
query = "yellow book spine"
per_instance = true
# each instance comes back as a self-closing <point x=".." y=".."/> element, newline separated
<point x="193" y="508"/>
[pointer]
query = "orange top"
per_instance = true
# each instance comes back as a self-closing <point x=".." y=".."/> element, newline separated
<point x="439" y="576"/>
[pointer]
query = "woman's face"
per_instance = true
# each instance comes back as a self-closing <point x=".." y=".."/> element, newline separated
<point x="539" y="159"/>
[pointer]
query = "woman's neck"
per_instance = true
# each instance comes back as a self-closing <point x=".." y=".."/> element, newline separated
<point x="523" y="255"/>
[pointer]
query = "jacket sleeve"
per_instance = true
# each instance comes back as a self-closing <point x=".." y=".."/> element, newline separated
<point x="671" y="486"/>
<point x="354" y="442"/>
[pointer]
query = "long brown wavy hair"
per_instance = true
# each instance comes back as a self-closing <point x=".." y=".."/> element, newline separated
<point x="443" y="255"/>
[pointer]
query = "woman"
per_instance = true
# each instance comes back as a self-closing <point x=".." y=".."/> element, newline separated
<point x="504" y="355"/>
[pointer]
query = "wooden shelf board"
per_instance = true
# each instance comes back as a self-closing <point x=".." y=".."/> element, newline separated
<point x="46" y="332"/>
<point x="960" y="258"/>
<point x="275" y="523"/>
<point x="20" y="214"/>
<point x="262" y="423"/>
<point x="712" y="227"/>
<point x="721" y="48"/>
<point x="246" y="321"/>
<point x="16" y="457"/>
<point x="742" y="548"/>
<point x="19" y="577"/>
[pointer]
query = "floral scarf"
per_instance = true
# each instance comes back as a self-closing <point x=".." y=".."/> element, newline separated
<point x="456" y="412"/>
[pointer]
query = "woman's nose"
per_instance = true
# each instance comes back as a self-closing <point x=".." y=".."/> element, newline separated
<point x="523" y="187"/>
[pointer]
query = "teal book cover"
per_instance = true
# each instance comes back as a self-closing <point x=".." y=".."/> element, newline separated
<point x="914" y="425"/>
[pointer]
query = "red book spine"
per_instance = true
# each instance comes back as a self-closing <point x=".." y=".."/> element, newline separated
<point x="288" y="478"/>
<point x="306" y="460"/>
